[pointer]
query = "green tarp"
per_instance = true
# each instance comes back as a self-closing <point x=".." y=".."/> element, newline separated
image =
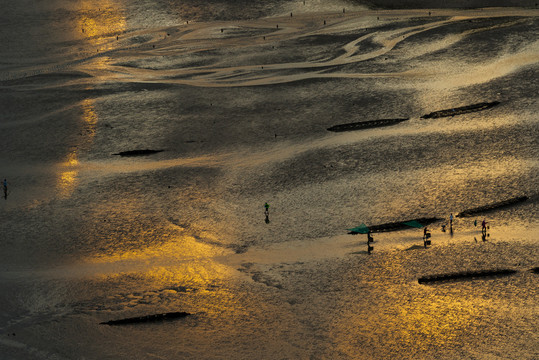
<point x="414" y="224"/>
<point x="361" y="229"/>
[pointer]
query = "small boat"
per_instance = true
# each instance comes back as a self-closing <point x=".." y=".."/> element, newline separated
<point x="148" y="318"/>
<point x="138" y="152"/>
<point x="461" y="110"/>
<point x="494" y="206"/>
<point x="394" y="226"/>
<point x="365" y="124"/>
<point x="466" y="275"/>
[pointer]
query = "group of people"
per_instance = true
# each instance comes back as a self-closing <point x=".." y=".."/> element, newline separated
<point x="426" y="233"/>
<point x="483" y="224"/>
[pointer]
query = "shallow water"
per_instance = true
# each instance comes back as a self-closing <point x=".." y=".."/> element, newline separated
<point x="240" y="105"/>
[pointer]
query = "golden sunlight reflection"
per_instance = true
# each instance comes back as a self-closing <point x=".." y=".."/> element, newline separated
<point x="184" y="248"/>
<point x="89" y="117"/>
<point x="435" y="183"/>
<point x="432" y="321"/>
<point x="407" y="316"/>
<point x="182" y="261"/>
<point x="67" y="182"/>
<point x="68" y="175"/>
<point x="100" y="22"/>
<point x="69" y="169"/>
<point x="72" y="159"/>
<point x="100" y="18"/>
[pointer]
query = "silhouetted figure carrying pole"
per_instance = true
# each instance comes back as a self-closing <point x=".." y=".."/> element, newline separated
<point x="484" y="234"/>
<point x="369" y="241"/>
<point x="426" y="236"/>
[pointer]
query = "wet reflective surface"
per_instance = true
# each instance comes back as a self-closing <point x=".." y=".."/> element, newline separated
<point x="240" y="106"/>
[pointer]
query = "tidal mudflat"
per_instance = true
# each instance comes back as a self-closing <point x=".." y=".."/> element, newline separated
<point x="228" y="113"/>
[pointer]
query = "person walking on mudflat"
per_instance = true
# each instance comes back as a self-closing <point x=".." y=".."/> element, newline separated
<point x="266" y="212"/>
<point x="451" y="220"/>
<point x="484" y="226"/>
<point x="4" y="185"/>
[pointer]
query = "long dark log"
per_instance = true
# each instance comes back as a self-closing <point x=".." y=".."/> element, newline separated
<point x="138" y="152"/>
<point x="147" y="318"/>
<point x="395" y="226"/>
<point x="465" y="275"/>
<point x="365" y="124"/>
<point x="494" y="206"/>
<point x="461" y="110"/>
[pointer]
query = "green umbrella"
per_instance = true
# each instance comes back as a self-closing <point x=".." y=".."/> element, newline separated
<point x="414" y="224"/>
<point x="361" y="229"/>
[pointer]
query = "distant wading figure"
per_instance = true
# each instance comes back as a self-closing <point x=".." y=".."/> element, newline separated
<point x="4" y="185"/>
<point x="266" y="212"/>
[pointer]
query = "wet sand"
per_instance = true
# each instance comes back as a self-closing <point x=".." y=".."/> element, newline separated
<point x="242" y="121"/>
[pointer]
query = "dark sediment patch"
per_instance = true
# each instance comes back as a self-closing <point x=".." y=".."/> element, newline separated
<point x="465" y="275"/>
<point x="147" y="318"/>
<point x="395" y="226"/>
<point x="535" y="270"/>
<point x="366" y="124"/>
<point x="138" y="152"/>
<point x="461" y="110"/>
<point x="490" y="207"/>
